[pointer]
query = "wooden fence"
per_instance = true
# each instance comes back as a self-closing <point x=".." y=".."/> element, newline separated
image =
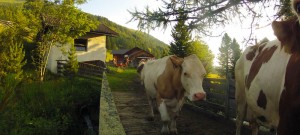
<point x="220" y="99"/>
<point x="88" y="69"/>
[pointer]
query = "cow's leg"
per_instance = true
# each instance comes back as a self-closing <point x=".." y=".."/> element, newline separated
<point x="241" y="107"/>
<point x="254" y="127"/>
<point x="241" y="113"/>
<point x="173" y="127"/>
<point x="162" y="108"/>
<point x="151" y="114"/>
<point x="174" y="115"/>
<point x="154" y="106"/>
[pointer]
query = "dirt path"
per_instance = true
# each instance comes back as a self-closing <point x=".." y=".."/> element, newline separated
<point x="133" y="110"/>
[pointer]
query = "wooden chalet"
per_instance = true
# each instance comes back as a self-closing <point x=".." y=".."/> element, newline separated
<point x="130" y="57"/>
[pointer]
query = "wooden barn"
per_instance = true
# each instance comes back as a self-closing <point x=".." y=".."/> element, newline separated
<point x="130" y="57"/>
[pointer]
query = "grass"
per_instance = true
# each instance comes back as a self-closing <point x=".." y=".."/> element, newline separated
<point x="122" y="79"/>
<point x="210" y="75"/>
<point x="50" y="108"/>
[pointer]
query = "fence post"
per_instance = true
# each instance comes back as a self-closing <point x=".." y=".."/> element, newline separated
<point x="227" y="97"/>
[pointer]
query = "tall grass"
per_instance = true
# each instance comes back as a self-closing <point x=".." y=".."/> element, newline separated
<point x="122" y="79"/>
<point x="49" y="108"/>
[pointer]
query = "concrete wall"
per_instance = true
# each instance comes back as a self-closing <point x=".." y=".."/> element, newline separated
<point x="96" y="51"/>
<point x="109" y="120"/>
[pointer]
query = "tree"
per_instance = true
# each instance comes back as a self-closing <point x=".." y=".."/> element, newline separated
<point x="205" y="14"/>
<point x="12" y="16"/>
<point x="230" y="52"/>
<point x="54" y="23"/>
<point x="225" y="53"/>
<point x="204" y="54"/>
<point x="11" y="64"/>
<point x="236" y="53"/>
<point x="181" y="36"/>
<point x="109" y="56"/>
<point x="72" y="63"/>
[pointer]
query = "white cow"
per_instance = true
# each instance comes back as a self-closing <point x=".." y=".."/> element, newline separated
<point x="268" y="80"/>
<point x="167" y="81"/>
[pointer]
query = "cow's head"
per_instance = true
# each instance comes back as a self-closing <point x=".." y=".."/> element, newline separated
<point x="288" y="33"/>
<point x="295" y="4"/>
<point x="192" y="75"/>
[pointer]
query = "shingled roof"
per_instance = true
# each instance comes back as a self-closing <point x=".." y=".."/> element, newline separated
<point x="103" y="30"/>
<point x="123" y="51"/>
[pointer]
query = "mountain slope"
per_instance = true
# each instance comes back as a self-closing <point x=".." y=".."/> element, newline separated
<point x="129" y="38"/>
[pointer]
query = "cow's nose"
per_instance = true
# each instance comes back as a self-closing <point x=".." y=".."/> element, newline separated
<point x="199" y="96"/>
<point x="298" y="7"/>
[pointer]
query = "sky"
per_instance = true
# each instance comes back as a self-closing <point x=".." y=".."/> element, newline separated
<point x="117" y="11"/>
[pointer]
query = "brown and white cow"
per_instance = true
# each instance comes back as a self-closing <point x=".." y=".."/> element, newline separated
<point x="167" y="81"/>
<point x="268" y="81"/>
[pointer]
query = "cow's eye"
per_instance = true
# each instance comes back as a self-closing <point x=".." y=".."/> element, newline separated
<point x="185" y="73"/>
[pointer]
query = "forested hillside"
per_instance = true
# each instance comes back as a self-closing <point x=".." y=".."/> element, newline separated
<point x="129" y="38"/>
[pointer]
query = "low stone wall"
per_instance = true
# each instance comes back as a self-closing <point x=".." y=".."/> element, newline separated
<point x="109" y="121"/>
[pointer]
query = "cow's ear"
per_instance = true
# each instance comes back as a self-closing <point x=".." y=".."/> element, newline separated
<point x="281" y="30"/>
<point x="176" y="60"/>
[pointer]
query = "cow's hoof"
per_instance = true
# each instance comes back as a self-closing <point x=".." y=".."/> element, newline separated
<point x="174" y="132"/>
<point x="150" y="118"/>
<point x="165" y="131"/>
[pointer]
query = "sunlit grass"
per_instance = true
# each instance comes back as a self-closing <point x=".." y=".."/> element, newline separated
<point x="213" y="76"/>
<point x="122" y="79"/>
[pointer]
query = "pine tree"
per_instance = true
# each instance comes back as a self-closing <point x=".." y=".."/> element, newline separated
<point x="11" y="72"/>
<point x="230" y="52"/>
<point x="224" y="55"/>
<point x="72" y="63"/>
<point x="236" y="53"/>
<point x="181" y="36"/>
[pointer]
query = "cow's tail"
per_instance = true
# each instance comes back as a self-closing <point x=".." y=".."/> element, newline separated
<point x="140" y="71"/>
<point x="140" y="68"/>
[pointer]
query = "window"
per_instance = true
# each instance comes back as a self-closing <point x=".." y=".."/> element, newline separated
<point x="80" y="44"/>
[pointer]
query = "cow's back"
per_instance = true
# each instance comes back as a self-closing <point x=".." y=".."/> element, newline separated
<point x="261" y="72"/>
<point x="151" y="71"/>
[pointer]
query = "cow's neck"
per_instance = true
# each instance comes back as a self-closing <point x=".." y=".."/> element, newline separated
<point x="177" y="84"/>
<point x="169" y="84"/>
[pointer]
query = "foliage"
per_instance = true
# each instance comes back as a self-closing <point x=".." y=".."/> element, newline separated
<point x="55" y="23"/>
<point x="12" y="17"/>
<point x="129" y="38"/>
<point x="109" y="56"/>
<point x="72" y="63"/>
<point x="8" y="87"/>
<point x="204" y="54"/>
<point x="50" y="108"/>
<point x="181" y="36"/>
<point x="224" y="54"/>
<point x="11" y="64"/>
<point x="205" y="14"/>
<point x="236" y="53"/>
<point x="12" y="60"/>
<point x="229" y="53"/>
